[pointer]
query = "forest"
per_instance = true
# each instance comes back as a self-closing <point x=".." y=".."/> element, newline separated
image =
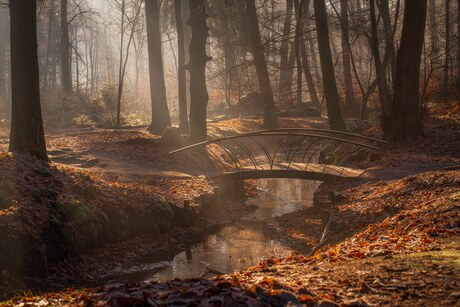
<point x="229" y="152"/>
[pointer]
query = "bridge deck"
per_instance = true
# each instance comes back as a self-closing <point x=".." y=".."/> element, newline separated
<point x="310" y="171"/>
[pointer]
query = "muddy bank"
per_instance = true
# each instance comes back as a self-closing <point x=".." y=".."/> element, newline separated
<point x="49" y="213"/>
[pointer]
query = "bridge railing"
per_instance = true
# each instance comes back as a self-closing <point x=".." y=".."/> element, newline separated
<point x="317" y="150"/>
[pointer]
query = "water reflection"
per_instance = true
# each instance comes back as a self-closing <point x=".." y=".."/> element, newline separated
<point x="280" y="196"/>
<point x="237" y="246"/>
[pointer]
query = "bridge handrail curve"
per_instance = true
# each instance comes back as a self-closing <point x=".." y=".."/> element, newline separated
<point x="315" y="130"/>
<point x="277" y="132"/>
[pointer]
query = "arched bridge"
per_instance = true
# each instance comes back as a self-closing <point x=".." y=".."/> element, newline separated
<point x="316" y="154"/>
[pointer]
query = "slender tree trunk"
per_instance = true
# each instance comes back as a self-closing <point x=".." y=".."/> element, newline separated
<point x="160" y="112"/>
<point x="290" y="76"/>
<point x="457" y="81"/>
<point x="120" y="64"/>
<point x="3" y="46"/>
<point x="447" y="47"/>
<point x="182" y="93"/>
<point x="48" y="49"/>
<point x="347" y="78"/>
<point x="270" y="117"/>
<point x="284" y="91"/>
<point x="433" y="29"/>
<point x="384" y="93"/>
<point x="77" y="63"/>
<point x="197" y="68"/>
<point x="314" y="59"/>
<point x="123" y="62"/>
<point x="298" y="59"/>
<point x="405" y="111"/>
<point x="303" y="11"/>
<point x="334" y="110"/>
<point x="27" y="136"/>
<point x="66" y="76"/>
<point x="389" y="59"/>
<point x="229" y="54"/>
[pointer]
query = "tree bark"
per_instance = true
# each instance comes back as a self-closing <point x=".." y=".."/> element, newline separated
<point x="303" y="11"/>
<point x="160" y="112"/>
<point x="298" y="58"/>
<point x="347" y="78"/>
<point x="182" y="86"/>
<point x="284" y="90"/>
<point x="447" y="49"/>
<point x="405" y="121"/>
<point x="334" y="110"/>
<point x="384" y="93"/>
<point x="270" y="117"/>
<point x="3" y="46"/>
<point x="66" y="77"/>
<point x="197" y="68"/>
<point x="27" y="135"/>
<point x="389" y="59"/>
<point x="433" y="29"/>
<point x="457" y="81"/>
<point x="48" y="48"/>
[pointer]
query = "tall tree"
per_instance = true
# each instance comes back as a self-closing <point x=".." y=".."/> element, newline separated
<point x="3" y="56"/>
<point x="433" y="29"/>
<point x="457" y="82"/>
<point x="270" y="117"/>
<point x="123" y="61"/>
<point x="66" y="76"/>
<point x="384" y="92"/>
<point x="27" y="135"/>
<point x="334" y="110"/>
<point x="182" y="93"/>
<point x="405" y="121"/>
<point x="284" y="90"/>
<point x="347" y="79"/>
<point x="447" y="48"/>
<point x="160" y="112"/>
<point x="197" y="68"/>
<point x="304" y="7"/>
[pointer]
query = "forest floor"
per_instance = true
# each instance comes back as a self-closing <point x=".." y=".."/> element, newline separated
<point x="393" y="240"/>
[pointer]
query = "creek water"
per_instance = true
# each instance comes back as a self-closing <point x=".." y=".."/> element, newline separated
<point x="237" y="246"/>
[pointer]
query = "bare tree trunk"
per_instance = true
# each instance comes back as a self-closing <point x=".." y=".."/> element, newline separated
<point x="291" y="66"/>
<point x="298" y="59"/>
<point x="433" y="29"/>
<point x="447" y="47"/>
<point x="334" y="110"/>
<point x="285" y="91"/>
<point x="182" y="93"/>
<point x="231" y="70"/>
<point x="197" y="68"/>
<point x="27" y="135"/>
<point x="120" y="64"/>
<point x="48" y="48"/>
<point x="314" y="59"/>
<point x="270" y="117"/>
<point x="304" y="6"/>
<point x="347" y="78"/>
<point x="77" y="62"/>
<point x="3" y="46"/>
<point x="160" y="112"/>
<point x="384" y="93"/>
<point x="66" y="77"/>
<point x="405" y="110"/>
<point x="389" y="58"/>
<point x="124" y="62"/>
<point x="457" y="83"/>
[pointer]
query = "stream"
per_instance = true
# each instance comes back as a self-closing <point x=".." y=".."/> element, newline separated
<point x="237" y="246"/>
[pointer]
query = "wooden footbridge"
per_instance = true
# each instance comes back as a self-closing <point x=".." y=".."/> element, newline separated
<point x="315" y="154"/>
